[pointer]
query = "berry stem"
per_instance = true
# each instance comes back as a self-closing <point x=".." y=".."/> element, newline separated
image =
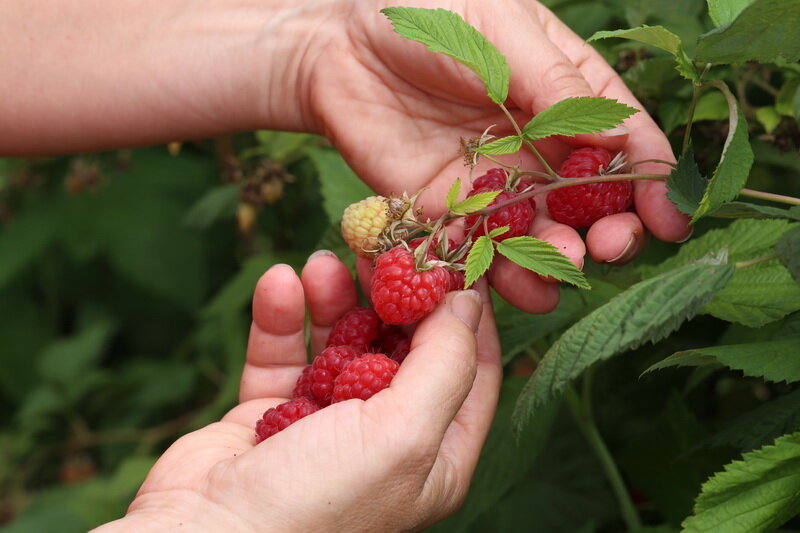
<point x="497" y="162"/>
<point x="662" y="161"/>
<point x="757" y="260"/>
<point x="791" y="200"/>
<point x="529" y="144"/>
<point x="585" y="421"/>
<point x="687" y="135"/>
<point x="568" y="183"/>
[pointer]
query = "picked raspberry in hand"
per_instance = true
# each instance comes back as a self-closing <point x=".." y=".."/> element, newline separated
<point x="363" y="377"/>
<point x="358" y="327"/>
<point x="281" y="417"/>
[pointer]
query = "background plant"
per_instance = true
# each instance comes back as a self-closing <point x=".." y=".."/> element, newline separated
<point x="125" y="279"/>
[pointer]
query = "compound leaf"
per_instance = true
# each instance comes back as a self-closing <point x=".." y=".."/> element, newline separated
<point x="479" y="259"/>
<point x="578" y="115"/>
<point x="543" y="258"/>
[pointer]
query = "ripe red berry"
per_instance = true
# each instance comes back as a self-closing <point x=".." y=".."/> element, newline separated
<point x="363" y="377"/>
<point x="580" y="206"/>
<point x="279" y="418"/>
<point x="494" y="179"/>
<point x="402" y="294"/>
<point x="325" y="368"/>
<point x="303" y="386"/>
<point x="388" y="338"/>
<point x="457" y="280"/>
<point x="358" y="327"/>
<point x="517" y="217"/>
<point x="401" y="350"/>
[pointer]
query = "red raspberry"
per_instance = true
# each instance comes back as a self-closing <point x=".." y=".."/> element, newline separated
<point x="517" y="217"/>
<point x="495" y="179"/>
<point x="401" y="350"/>
<point x="402" y="294"/>
<point x="363" y="377"/>
<point x="303" y="386"/>
<point x="388" y="338"/>
<point x="456" y="276"/>
<point x="580" y="206"/>
<point x="358" y="327"/>
<point x="325" y="368"/>
<point x="457" y="280"/>
<point x="281" y="417"/>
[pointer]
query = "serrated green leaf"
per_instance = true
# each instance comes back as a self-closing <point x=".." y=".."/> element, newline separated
<point x="216" y="204"/>
<point x="746" y="210"/>
<point x="339" y="184"/>
<point x="724" y="11"/>
<point x="543" y="258"/>
<point x="734" y="165"/>
<point x="578" y="115"/>
<point x="479" y="259"/>
<point x="504" y="145"/>
<point x="762" y="425"/>
<point x="758" y="493"/>
<point x="446" y="32"/>
<point x="496" y="232"/>
<point x="764" y="31"/>
<point x="771" y="360"/>
<point x="788" y="250"/>
<point x="452" y="194"/>
<point x="647" y="312"/>
<point x="685" y="185"/>
<point x="475" y="203"/>
<point x="657" y="36"/>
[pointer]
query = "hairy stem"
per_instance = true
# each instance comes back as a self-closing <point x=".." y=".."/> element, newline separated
<point x="583" y="417"/>
<point x="529" y="144"/>
<point x="791" y="200"/>
<point x="757" y="260"/>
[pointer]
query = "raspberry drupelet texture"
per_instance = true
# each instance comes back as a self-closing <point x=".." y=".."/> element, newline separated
<point x="517" y="217"/>
<point x="325" y="368"/>
<point x="401" y="350"/>
<point x="358" y="327"/>
<point x="580" y="206"/>
<point x="303" y="386"/>
<point x="363" y="377"/>
<point x="279" y="418"/>
<point x="400" y="293"/>
<point x="494" y="179"/>
<point x="388" y="338"/>
<point x="363" y="223"/>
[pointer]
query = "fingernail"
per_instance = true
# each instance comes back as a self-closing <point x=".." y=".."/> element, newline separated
<point x="627" y="252"/>
<point x="689" y="236"/>
<point x="615" y="132"/>
<point x="282" y="265"/>
<point x="321" y="253"/>
<point x="466" y="305"/>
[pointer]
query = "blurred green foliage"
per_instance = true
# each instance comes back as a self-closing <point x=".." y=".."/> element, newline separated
<point x="125" y="281"/>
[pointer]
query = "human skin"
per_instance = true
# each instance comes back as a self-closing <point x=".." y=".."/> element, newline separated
<point x="92" y="75"/>
<point x="390" y="463"/>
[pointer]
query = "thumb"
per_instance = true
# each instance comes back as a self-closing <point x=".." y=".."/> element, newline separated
<point x="541" y="73"/>
<point x="438" y="373"/>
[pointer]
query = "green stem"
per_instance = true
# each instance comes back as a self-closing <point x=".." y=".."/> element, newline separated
<point x="770" y="196"/>
<point x="496" y="162"/>
<point x="687" y="135"/>
<point x="589" y="429"/>
<point x="757" y="260"/>
<point x="529" y="144"/>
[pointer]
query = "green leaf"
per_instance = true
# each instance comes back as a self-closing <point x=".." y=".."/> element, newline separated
<point x="504" y="461"/>
<point x="746" y="210"/>
<point x="734" y="165"/>
<point x="758" y="493"/>
<point x="578" y="115"/>
<point x="452" y="194"/>
<point x="475" y="203"/>
<point x="340" y="186"/>
<point x="762" y="425"/>
<point x="543" y="258"/>
<point x="788" y="250"/>
<point x="769" y="117"/>
<point x="647" y="312"/>
<point x="685" y="185"/>
<point x="657" y="36"/>
<point x="238" y="290"/>
<point x="479" y="259"/>
<point x="764" y="31"/>
<point x="446" y="32"/>
<point x="496" y="232"/>
<point x="772" y="360"/>
<point x="724" y="11"/>
<point x="24" y="240"/>
<point x="787" y="102"/>
<point x="216" y="204"/>
<point x="67" y="360"/>
<point x="505" y="145"/>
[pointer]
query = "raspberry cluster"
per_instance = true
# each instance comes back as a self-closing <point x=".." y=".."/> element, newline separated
<point x="358" y="369"/>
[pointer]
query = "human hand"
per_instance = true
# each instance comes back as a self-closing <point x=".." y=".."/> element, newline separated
<point x="400" y="460"/>
<point x="396" y="111"/>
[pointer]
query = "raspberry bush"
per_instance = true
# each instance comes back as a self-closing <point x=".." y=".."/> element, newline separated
<point x="664" y="397"/>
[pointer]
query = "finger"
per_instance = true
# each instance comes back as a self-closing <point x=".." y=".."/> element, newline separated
<point x="440" y="368"/>
<point x="563" y="237"/>
<point x="522" y="288"/>
<point x="276" y="350"/>
<point x="615" y="239"/>
<point x="646" y="140"/>
<point x="330" y="292"/>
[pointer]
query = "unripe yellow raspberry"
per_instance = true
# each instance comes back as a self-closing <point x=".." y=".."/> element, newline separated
<point x="363" y="222"/>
